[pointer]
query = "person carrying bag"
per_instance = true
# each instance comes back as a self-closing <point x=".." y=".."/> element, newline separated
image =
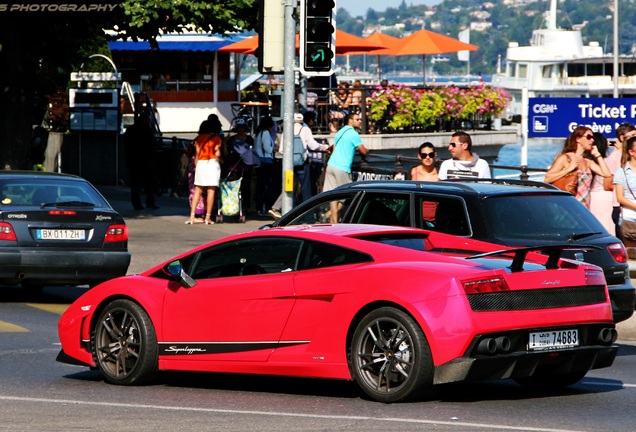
<point x="624" y="186"/>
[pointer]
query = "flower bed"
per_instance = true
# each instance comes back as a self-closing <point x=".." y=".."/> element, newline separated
<point x="400" y="107"/>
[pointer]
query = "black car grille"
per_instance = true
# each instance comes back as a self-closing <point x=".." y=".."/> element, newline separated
<point x="537" y="299"/>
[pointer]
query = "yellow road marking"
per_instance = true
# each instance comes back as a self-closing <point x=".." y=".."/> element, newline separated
<point x="6" y="327"/>
<point x="53" y="308"/>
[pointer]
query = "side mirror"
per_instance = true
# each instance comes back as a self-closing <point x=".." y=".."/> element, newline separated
<point x="175" y="270"/>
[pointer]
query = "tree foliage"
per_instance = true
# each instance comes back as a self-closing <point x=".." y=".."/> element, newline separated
<point x="38" y="51"/>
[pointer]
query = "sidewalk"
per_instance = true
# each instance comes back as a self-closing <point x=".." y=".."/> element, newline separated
<point x="175" y="211"/>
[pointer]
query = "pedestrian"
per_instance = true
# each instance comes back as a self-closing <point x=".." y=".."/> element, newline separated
<point x="625" y="189"/>
<point x="208" y="169"/>
<point x="346" y="142"/>
<point x="463" y="162"/>
<point x="579" y="159"/>
<point x="264" y="146"/>
<point x="141" y="152"/>
<point x="613" y="163"/>
<point x="302" y="174"/>
<point x="601" y="199"/>
<point x="426" y="170"/>
<point x="234" y="166"/>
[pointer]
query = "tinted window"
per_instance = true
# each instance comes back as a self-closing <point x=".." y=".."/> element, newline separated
<point x="321" y="212"/>
<point x="447" y="215"/>
<point x="47" y="191"/>
<point x="384" y="209"/>
<point x="318" y="255"/>
<point x="539" y="217"/>
<point x="246" y="257"/>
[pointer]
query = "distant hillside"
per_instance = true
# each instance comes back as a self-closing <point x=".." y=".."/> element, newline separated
<point x="502" y="20"/>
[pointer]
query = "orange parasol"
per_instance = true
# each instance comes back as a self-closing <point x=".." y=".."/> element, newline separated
<point x="390" y="44"/>
<point x="345" y="43"/>
<point x="424" y="42"/>
<point x="428" y="42"/>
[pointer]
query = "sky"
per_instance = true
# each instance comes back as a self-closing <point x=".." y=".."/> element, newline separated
<point x="360" y="7"/>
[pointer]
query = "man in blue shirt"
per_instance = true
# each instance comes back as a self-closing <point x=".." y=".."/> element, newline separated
<point x="338" y="172"/>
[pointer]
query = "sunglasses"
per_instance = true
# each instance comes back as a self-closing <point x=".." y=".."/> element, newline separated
<point x="590" y="137"/>
<point x="425" y="155"/>
<point x="453" y="144"/>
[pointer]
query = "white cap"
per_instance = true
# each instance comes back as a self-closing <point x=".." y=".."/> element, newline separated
<point x="298" y="118"/>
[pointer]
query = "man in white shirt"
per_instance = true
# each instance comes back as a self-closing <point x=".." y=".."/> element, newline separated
<point x="463" y="163"/>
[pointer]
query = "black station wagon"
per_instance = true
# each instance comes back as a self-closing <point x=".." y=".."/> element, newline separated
<point x="57" y="229"/>
<point x="511" y="213"/>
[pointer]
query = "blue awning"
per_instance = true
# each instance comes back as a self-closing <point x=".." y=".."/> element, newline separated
<point x="178" y="42"/>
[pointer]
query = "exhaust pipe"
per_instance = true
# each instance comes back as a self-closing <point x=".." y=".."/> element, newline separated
<point x="487" y="346"/>
<point x="607" y="335"/>
<point x="503" y="344"/>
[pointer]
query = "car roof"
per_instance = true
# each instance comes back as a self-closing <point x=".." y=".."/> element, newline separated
<point x="9" y="174"/>
<point x="478" y="186"/>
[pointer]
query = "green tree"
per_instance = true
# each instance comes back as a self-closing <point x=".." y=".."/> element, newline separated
<point x="39" y="49"/>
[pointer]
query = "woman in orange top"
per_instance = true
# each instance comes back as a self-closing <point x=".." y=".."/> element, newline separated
<point x="208" y="170"/>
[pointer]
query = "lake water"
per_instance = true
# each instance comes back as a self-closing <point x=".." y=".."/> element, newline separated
<point x="540" y="155"/>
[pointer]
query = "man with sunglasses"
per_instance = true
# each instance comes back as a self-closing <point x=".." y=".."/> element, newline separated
<point x="463" y="163"/>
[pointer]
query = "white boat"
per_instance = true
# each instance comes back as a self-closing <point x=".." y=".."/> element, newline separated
<point x="558" y="64"/>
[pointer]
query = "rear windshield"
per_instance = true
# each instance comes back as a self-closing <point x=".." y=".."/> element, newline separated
<point x="540" y="217"/>
<point x="48" y="191"/>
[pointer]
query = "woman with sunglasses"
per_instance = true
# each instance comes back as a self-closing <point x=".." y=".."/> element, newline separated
<point x="426" y="170"/>
<point x="581" y="155"/>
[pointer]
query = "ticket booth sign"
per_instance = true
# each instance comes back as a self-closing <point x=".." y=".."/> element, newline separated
<point x="94" y="109"/>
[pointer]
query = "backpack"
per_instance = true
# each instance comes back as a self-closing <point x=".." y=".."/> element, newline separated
<point x="299" y="150"/>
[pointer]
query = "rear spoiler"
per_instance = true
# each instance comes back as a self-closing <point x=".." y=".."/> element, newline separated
<point x="552" y="251"/>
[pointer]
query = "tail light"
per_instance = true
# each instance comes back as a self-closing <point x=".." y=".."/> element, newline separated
<point x="116" y="233"/>
<point x="486" y="285"/>
<point x="6" y="232"/>
<point x="618" y="252"/>
<point x="594" y="277"/>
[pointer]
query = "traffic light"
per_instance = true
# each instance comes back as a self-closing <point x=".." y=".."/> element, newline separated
<point x="317" y="37"/>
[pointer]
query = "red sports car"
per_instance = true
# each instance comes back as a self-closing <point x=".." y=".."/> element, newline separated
<point x="397" y="309"/>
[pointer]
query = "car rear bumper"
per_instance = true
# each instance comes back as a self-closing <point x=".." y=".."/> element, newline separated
<point x="62" y="267"/>
<point x="623" y="299"/>
<point x="523" y="365"/>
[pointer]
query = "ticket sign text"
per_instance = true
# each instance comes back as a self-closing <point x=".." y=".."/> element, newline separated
<point x="557" y="117"/>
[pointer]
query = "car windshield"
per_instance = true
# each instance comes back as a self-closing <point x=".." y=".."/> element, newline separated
<point x="48" y="192"/>
<point x="540" y="217"/>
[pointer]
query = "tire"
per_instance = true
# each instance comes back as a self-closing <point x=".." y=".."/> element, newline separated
<point x="551" y="382"/>
<point x="390" y="357"/>
<point x="125" y="344"/>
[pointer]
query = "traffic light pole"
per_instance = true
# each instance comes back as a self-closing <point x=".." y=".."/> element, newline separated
<point x="289" y="106"/>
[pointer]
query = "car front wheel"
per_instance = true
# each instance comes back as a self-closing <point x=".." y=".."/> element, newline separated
<point x="390" y="357"/>
<point x="125" y="344"/>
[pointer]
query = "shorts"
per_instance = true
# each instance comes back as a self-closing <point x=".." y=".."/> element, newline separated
<point x="335" y="177"/>
<point x="207" y="173"/>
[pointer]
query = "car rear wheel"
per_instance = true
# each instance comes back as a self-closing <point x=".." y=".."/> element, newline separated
<point x="390" y="357"/>
<point x="125" y="344"/>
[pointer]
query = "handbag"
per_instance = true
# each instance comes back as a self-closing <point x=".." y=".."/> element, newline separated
<point x="568" y="182"/>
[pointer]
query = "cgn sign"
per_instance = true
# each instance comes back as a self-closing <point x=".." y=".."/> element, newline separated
<point x="557" y="117"/>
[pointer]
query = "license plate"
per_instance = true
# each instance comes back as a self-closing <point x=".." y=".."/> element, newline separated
<point x="60" y="234"/>
<point x="553" y="340"/>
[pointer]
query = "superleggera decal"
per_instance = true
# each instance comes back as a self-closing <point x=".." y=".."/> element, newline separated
<point x="221" y="347"/>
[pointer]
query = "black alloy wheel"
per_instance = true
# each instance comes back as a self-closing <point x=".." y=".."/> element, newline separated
<point x="390" y="357"/>
<point x="125" y="344"/>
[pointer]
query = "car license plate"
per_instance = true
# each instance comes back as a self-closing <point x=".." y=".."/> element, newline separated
<point x="553" y="340"/>
<point x="60" y="234"/>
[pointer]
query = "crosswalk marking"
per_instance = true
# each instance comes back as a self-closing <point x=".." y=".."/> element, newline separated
<point x="56" y="308"/>
<point x="6" y="327"/>
<point x="53" y="308"/>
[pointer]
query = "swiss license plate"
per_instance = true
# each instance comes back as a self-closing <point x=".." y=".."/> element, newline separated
<point x="60" y="234"/>
<point x="553" y="340"/>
